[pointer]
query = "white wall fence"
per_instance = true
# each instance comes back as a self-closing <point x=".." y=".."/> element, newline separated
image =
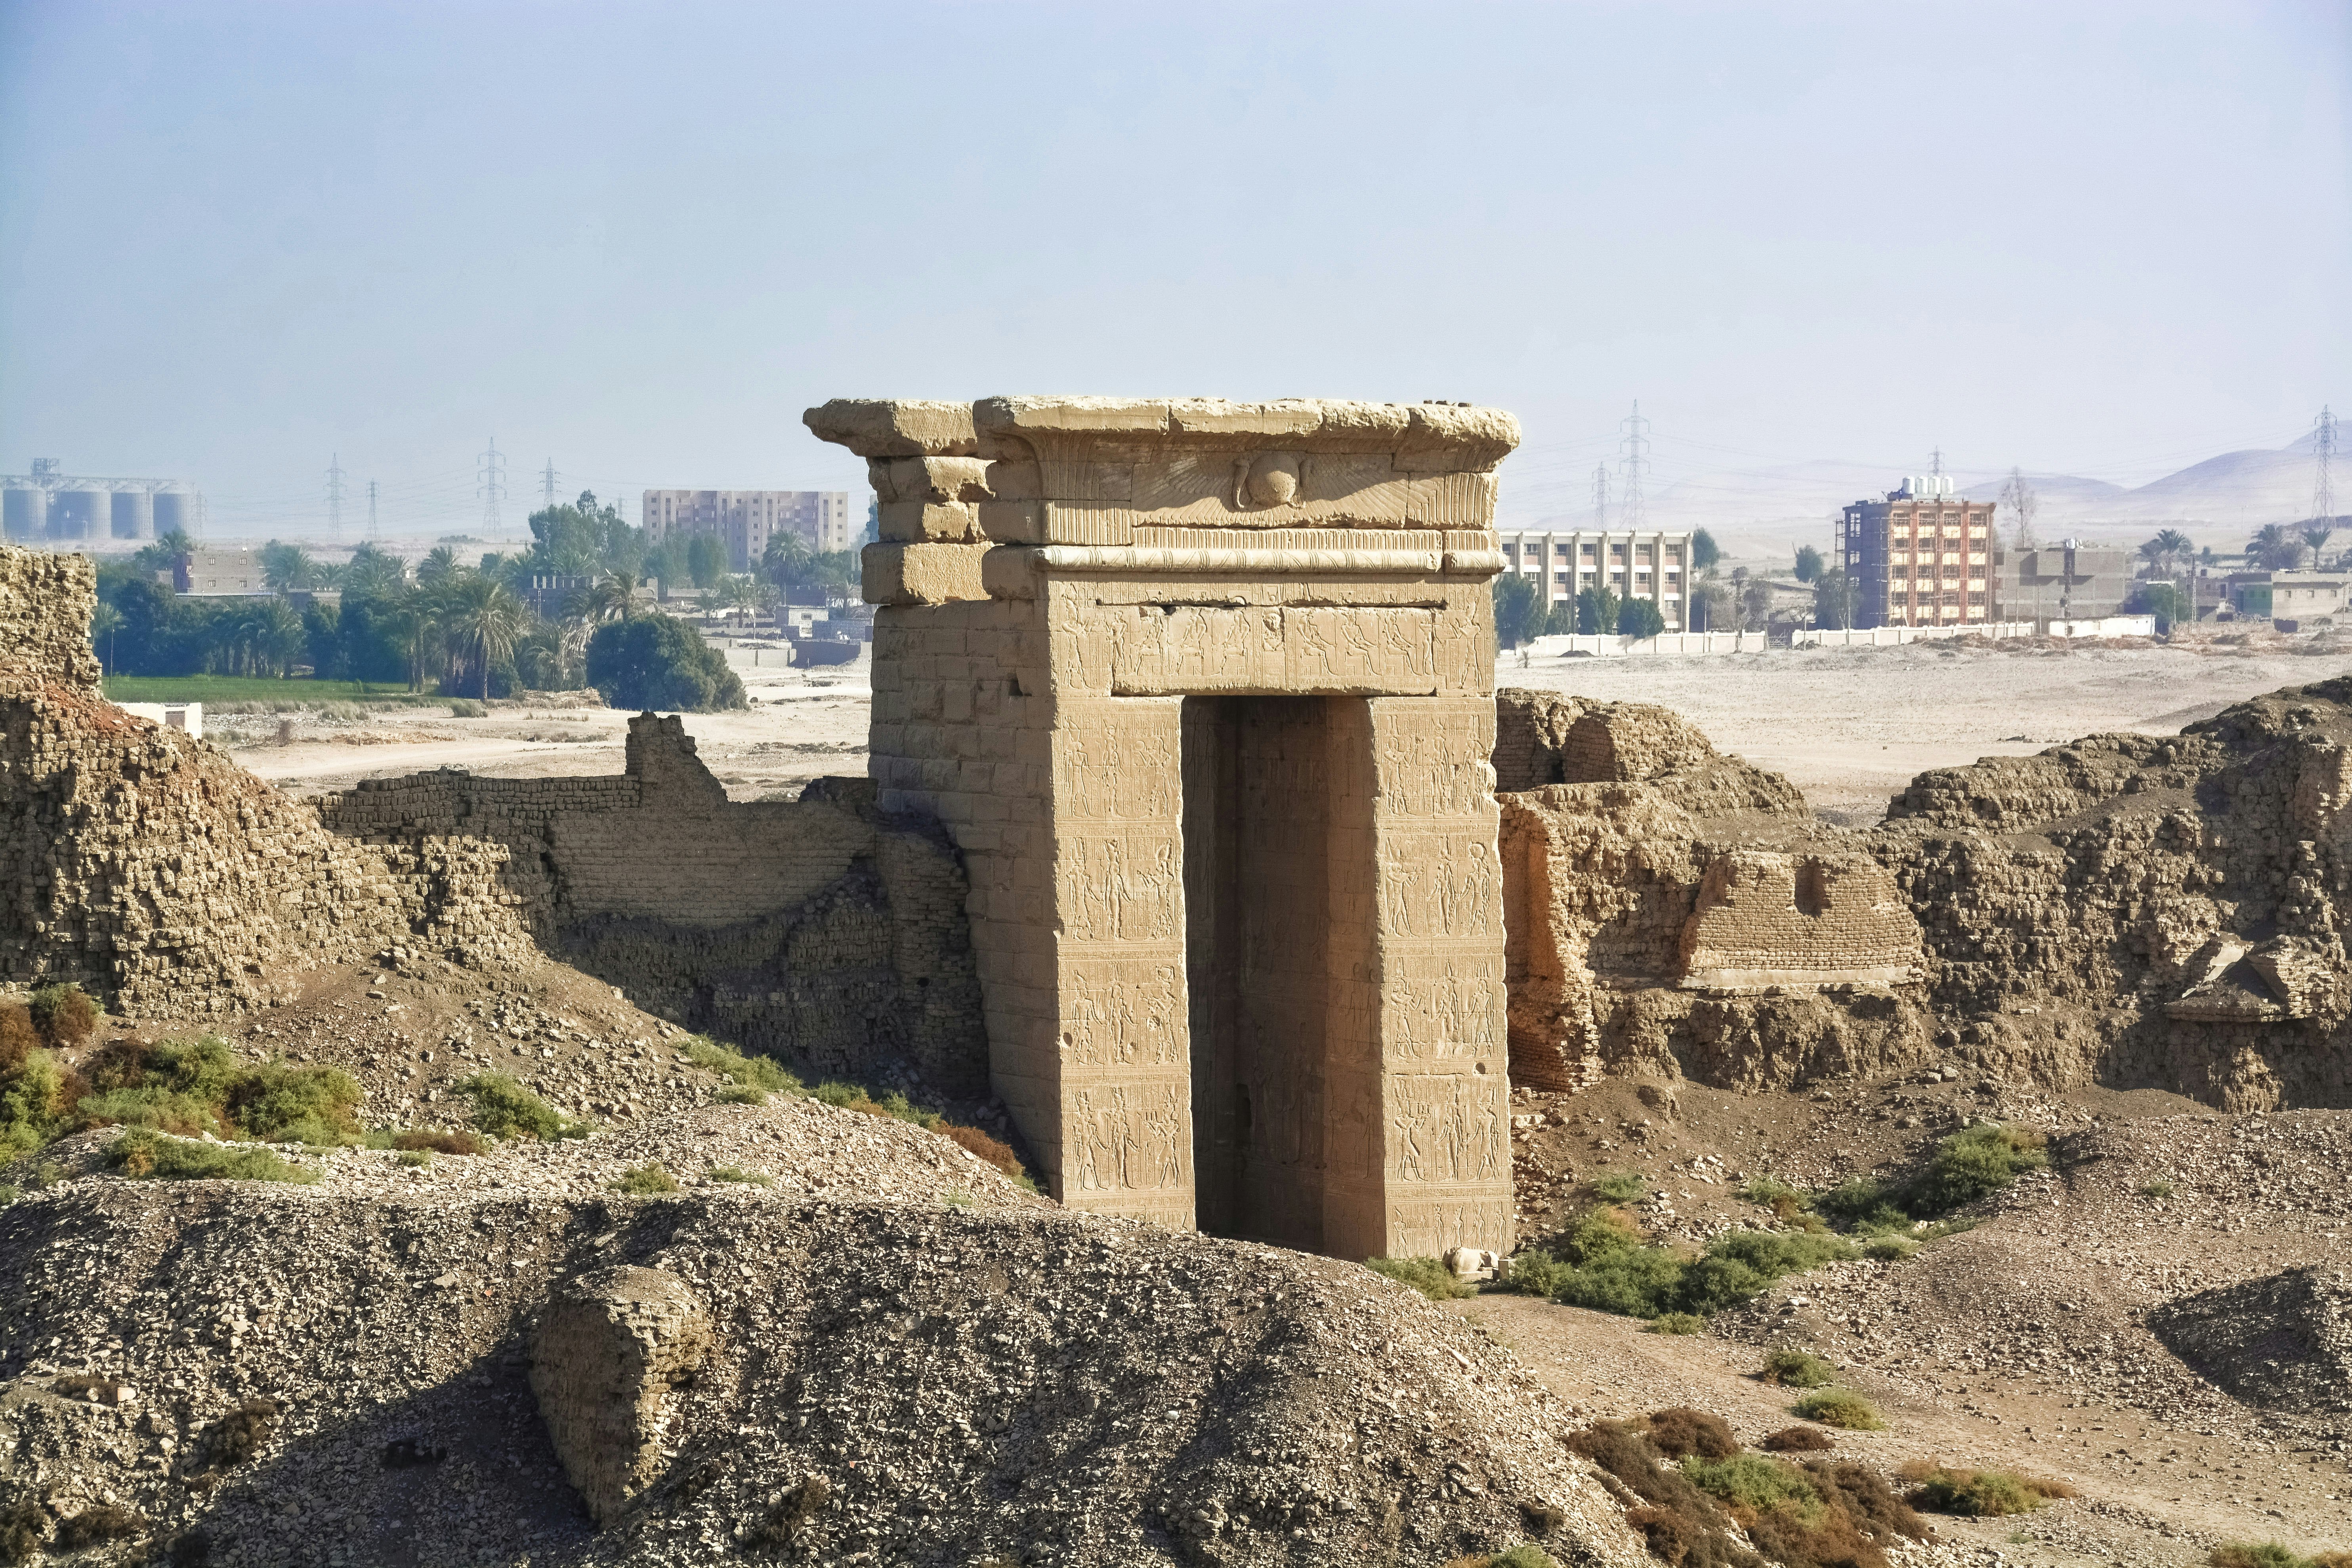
<point x="1686" y="643"/>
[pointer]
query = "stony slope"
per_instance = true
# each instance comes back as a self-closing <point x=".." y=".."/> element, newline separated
<point x="972" y="1380"/>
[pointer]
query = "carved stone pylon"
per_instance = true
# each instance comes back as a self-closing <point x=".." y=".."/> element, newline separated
<point x="1204" y="692"/>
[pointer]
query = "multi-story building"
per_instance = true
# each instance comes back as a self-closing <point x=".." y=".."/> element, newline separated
<point x="2069" y="581"/>
<point x="745" y="521"/>
<point x="1642" y="564"/>
<point x="1922" y="557"/>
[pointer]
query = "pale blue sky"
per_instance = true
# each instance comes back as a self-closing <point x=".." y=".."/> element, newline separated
<point x="237" y="239"/>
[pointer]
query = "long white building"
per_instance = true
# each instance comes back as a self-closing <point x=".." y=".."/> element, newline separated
<point x="1647" y="563"/>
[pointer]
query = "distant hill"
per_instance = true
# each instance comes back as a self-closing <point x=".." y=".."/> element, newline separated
<point x="2217" y="503"/>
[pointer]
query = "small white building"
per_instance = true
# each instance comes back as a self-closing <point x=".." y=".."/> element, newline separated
<point x="187" y="715"/>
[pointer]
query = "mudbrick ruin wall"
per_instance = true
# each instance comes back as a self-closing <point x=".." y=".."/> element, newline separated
<point x="2138" y="911"/>
<point x="819" y="930"/>
<point x="150" y="868"/>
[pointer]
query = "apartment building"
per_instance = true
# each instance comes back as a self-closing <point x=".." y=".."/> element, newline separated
<point x="745" y="521"/>
<point x="1922" y="557"/>
<point x="1644" y="564"/>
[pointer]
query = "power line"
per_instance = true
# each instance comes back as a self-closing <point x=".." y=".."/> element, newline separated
<point x="547" y="481"/>
<point x="1635" y="445"/>
<point x="335" y="496"/>
<point x="490" y="485"/>
<point x="1600" y="499"/>
<point x="2322" y="488"/>
<point x="371" y="533"/>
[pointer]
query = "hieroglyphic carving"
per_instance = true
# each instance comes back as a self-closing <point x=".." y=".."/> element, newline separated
<point x="1120" y="557"/>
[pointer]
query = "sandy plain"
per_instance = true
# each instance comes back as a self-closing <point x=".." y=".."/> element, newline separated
<point x="1849" y="726"/>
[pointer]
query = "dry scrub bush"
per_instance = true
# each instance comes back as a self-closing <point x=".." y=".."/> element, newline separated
<point x="1840" y="1407"/>
<point x="2270" y="1554"/>
<point x="1979" y="1494"/>
<point x="23" y="1524"/>
<point x="1798" y="1440"/>
<point x="65" y="1014"/>
<point x="1426" y="1275"/>
<point x="1792" y="1368"/>
<point x="433" y="1142"/>
<point x="240" y="1434"/>
<point x="143" y="1155"/>
<point x="504" y="1109"/>
<point x="97" y="1526"/>
<point x="1680" y="1430"/>
<point x="645" y="1181"/>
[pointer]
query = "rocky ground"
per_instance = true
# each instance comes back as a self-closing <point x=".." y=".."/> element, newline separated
<point x="2062" y="1335"/>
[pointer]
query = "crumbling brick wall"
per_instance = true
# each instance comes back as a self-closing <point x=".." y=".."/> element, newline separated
<point x="148" y="866"/>
<point x="2140" y="912"/>
<point x="820" y="931"/>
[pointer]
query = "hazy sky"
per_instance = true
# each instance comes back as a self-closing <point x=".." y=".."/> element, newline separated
<point x="236" y="239"/>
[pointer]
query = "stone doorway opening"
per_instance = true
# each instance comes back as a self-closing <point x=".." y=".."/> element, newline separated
<point x="1260" y="847"/>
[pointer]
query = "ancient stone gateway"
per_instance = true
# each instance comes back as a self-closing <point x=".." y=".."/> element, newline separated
<point x="1204" y="692"/>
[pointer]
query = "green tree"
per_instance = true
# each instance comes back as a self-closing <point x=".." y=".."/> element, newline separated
<point x="1640" y="618"/>
<point x="658" y="662"/>
<point x="1809" y="563"/>
<point x="1703" y="551"/>
<point x="486" y="619"/>
<point x="1559" y="621"/>
<point x="1596" y="611"/>
<point x="608" y="598"/>
<point x="2165" y="601"/>
<point x="287" y="568"/>
<point x="168" y="547"/>
<point x="1833" y="600"/>
<point x="667" y="564"/>
<point x="705" y="560"/>
<point x="375" y="572"/>
<point x="437" y="567"/>
<point x="2317" y="535"/>
<point x="2275" y="547"/>
<point x="1518" y="609"/>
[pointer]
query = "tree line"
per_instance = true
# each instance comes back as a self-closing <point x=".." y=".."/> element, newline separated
<point x="461" y="629"/>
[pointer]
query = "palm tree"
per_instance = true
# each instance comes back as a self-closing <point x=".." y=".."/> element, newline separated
<point x="2275" y="549"/>
<point x="2317" y="536"/>
<point x="416" y="620"/>
<point x="608" y="597"/>
<point x="287" y="568"/>
<point x="439" y="567"/>
<point x="104" y="622"/>
<point x="486" y="619"/>
<point x="374" y="571"/>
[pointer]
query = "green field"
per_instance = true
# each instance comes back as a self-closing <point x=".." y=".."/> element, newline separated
<point x="252" y="688"/>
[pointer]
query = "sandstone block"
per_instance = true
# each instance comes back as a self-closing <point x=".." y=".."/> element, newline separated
<point x="923" y="574"/>
<point x="609" y="1349"/>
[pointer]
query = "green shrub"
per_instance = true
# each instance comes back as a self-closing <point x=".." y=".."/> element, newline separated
<point x="1863" y="1206"/>
<point x="1839" y="1408"/>
<point x="504" y="1109"/>
<point x="1754" y="1482"/>
<point x="147" y="1156"/>
<point x="1979" y="1494"/>
<point x="433" y="1141"/>
<point x="196" y="1086"/>
<point x="65" y="1014"/>
<point x="1534" y="1273"/>
<point x="32" y="1091"/>
<point x="2158" y="1190"/>
<point x="738" y="1174"/>
<point x="763" y="1075"/>
<point x="1792" y="1368"/>
<point x="1975" y="1162"/>
<point x="413" y="1159"/>
<point x="1889" y="1249"/>
<point x="1426" y="1275"/>
<point x="465" y="707"/>
<point x="1620" y="1186"/>
<point x="742" y="1094"/>
<point x="8" y="1193"/>
<point x="1610" y="1270"/>
<point x="1677" y="1323"/>
<point x="645" y="1181"/>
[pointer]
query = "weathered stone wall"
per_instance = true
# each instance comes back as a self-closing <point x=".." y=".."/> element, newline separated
<point x="2136" y="910"/>
<point x="150" y="866"/>
<point x="819" y="930"/>
<point x="1682" y="914"/>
